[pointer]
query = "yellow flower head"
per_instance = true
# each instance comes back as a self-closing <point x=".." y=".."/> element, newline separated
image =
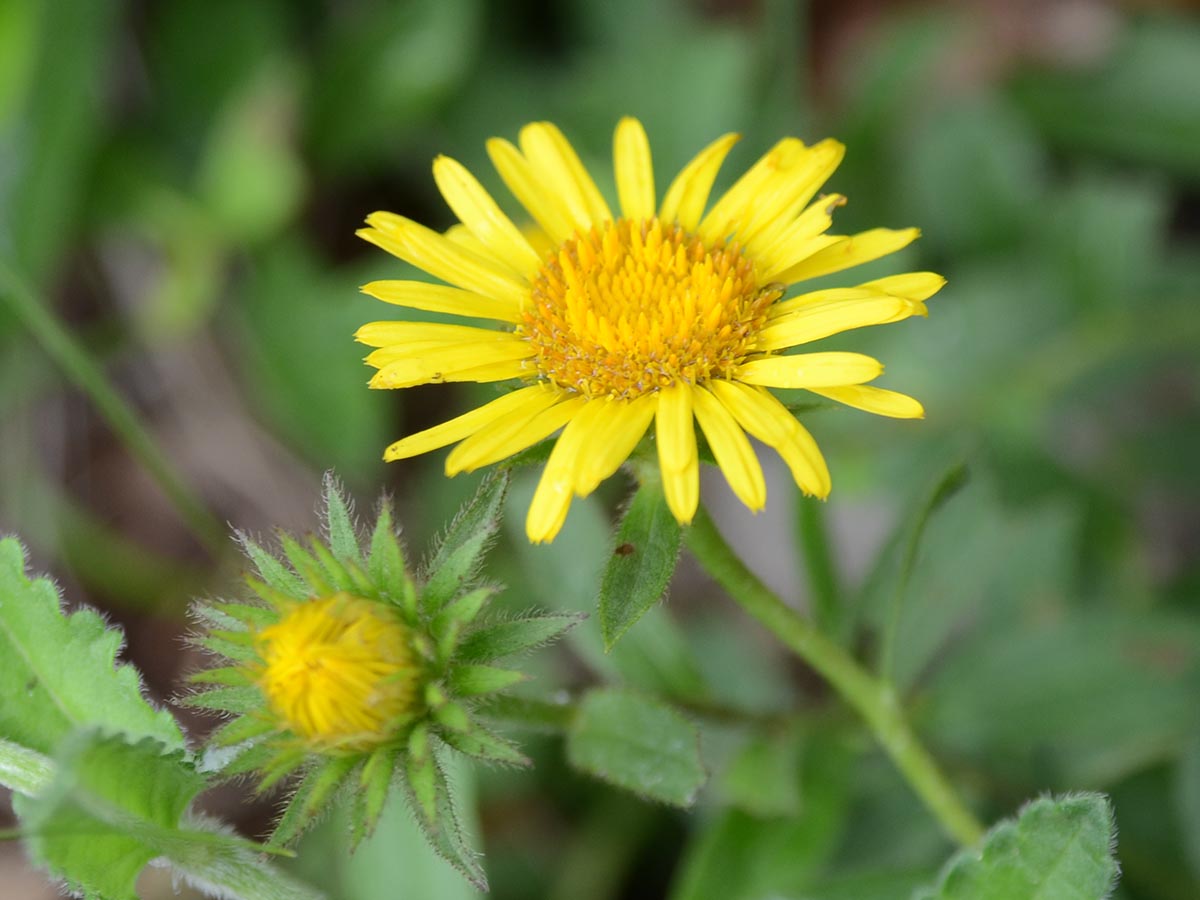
<point x="669" y="313"/>
<point x="340" y="672"/>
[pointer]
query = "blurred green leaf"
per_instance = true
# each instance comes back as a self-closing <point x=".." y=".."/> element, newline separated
<point x="1188" y="800"/>
<point x="113" y="806"/>
<point x="302" y="365"/>
<point x="385" y="68"/>
<point x="1105" y="235"/>
<point x="1056" y="848"/>
<point x="641" y="566"/>
<point x="736" y="856"/>
<point x="186" y="39"/>
<point x="1138" y="102"/>
<point x="1097" y="694"/>
<point x="110" y="810"/>
<point x="764" y="777"/>
<point x="46" y="151"/>
<point x="59" y="671"/>
<point x="250" y="179"/>
<point x="973" y="175"/>
<point x="18" y="40"/>
<point x="638" y="744"/>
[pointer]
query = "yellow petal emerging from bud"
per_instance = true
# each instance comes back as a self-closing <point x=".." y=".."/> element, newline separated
<point x="340" y="672"/>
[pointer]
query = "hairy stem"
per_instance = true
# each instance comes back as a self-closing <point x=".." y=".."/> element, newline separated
<point x="872" y="698"/>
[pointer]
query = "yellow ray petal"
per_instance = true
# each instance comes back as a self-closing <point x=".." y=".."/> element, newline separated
<point x="552" y="499"/>
<point x="515" y="432"/>
<point x="761" y="414"/>
<point x="477" y="210"/>
<point x="383" y="334"/>
<point x="731" y="449"/>
<point x="808" y="370"/>
<point x="822" y="319"/>
<point x="676" y="436"/>
<point x="918" y="286"/>
<point x="442" y="298"/>
<point x="551" y="155"/>
<point x="546" y="206"/>
<point x="456" y="362"/>
<point x="688" y="194"/>
<point x="621" y="426"/>
<point x="875" y="400"/>
<point x="635" y="174"/>
<point x="765" y="220"/>
<point x="798" y="239"/>
<point x="460" y="427"/>
<point x="428" y="250"/>
<point x="847" y="252"/>
<point x="761" y="179"/>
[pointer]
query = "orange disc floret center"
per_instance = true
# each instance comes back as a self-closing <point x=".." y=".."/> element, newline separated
<point x="631" y="307"/>
<point x="340" y="672"/>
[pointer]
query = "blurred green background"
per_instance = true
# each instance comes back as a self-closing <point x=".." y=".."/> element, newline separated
<point x="180" y="181"/>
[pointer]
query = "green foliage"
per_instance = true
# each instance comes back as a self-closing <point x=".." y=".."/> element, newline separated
<point x="112" y="808"/>
<point x="1056" y="848"/>
<point x="456" y="559"/>
<point x="514" y="636"/>
<point x="642" y="563"/>
<point x="64" y="667"/>
<point x="638" y="744"/>
<point x="108" y="806"/>
<point x="737" y="855"/>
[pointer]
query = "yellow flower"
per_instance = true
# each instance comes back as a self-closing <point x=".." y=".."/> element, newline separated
<point x="339" y="672"/>
<point x="664" y="313"/>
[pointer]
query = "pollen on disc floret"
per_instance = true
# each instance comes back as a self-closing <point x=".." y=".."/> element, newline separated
<point x="635" y="306"/>
<point x="339" y="672"/>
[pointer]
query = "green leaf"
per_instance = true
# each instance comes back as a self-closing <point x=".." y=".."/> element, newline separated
<point x="339" y="520"/>
<point x="431" y="800"/>
<point x="61" y="121"/>
<point x="273" y="572"/>
<point x="58" y="672"/>
<point x="386" y="560"/>
<point x="1138" y="104"/>
<point x="1188" y="800"/>
<point x="949" y="484"/>
<point x="655" y="656"/>
<point x="23" y="770"/>
<point x="313" y="793"/>
<point x="112" y="808"/>
<point x="1057" y="849"/>
<point x="737" y="856"/>
<point x="638" y="744"/>
<point x="472" y="681"/>
<point x="764" y="778"/>
<point x="641" y="566"/>
<point x="460" y="551"/>
<point x="514" y="636"/>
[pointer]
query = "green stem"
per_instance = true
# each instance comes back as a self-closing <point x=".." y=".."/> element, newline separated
<point x="818" y="563"/>
<point x="79" y="367"/>
<point x="873" y="699"/>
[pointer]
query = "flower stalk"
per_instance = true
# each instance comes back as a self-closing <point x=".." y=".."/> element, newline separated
<point x="871" y="697"/>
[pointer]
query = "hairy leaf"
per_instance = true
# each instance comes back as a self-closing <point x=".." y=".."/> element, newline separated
<point x="639" y="744"/>
<point x="58" y="672"/>
<point x="514" y="636"/>
<point x="640" y="568"/>
<point x="458" y="555"/>
<point x="1057" y="849"/>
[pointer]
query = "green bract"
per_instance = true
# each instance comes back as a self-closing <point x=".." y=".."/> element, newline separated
<point x="451" y="650"/>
